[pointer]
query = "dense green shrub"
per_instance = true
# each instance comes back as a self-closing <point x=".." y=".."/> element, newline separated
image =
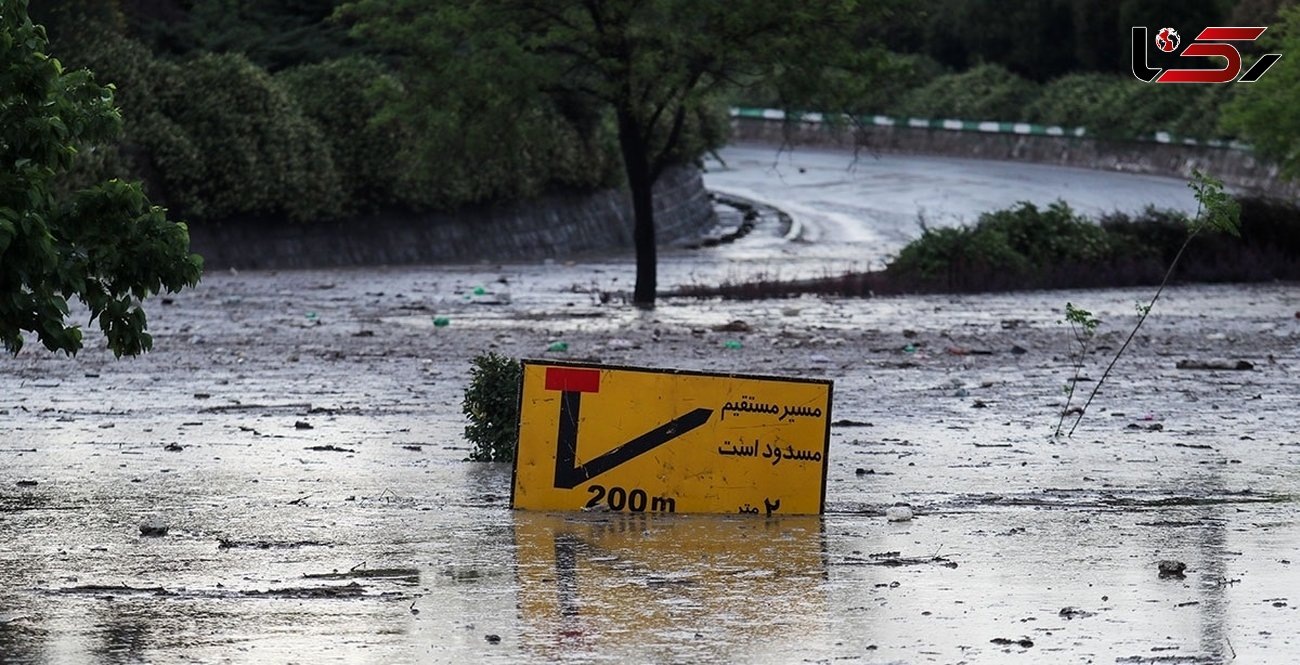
<point x="901" y="74"/>
<point x="1267" y="112"/>
<point x="1043" y="236"/>
<point x="461" y="155"/>
<point x="346" y="98"/>
<point x="1124" y="107"/>
<point x="986" y="92"/>
<point x="1094" y="101"/>
<point x="212" y="136"/>
<point x="1053" y="247"/>
<point x="258" y="153"/>
<point x="492" y="406"/>
<point x="1016" y="241"/>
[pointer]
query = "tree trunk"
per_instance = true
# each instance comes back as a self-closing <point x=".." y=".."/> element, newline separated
<point x="640" y="181"/>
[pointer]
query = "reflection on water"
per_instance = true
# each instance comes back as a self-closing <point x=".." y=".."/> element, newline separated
<point x="690" y="586"/>
<point x="20" y="641"/>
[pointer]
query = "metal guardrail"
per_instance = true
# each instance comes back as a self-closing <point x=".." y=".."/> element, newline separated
<point x="985" y="126"/>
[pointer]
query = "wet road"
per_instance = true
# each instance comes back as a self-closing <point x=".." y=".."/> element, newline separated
<point x="856" y="212"/>
<point x="359" y="535"/>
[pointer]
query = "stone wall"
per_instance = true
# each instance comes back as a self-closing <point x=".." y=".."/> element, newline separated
<point x="1236" y="167"/>
<point x="554" y="226"/>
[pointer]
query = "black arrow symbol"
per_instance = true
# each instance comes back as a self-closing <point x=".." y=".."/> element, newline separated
<point x="569" y="475"/>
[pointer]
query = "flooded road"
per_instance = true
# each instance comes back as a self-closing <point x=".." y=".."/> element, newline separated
<point x="299" y="435"/>
<point x="855" y="212"/>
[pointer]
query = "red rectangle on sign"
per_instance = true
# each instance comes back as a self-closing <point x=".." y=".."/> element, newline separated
<point x="573" y="380"/>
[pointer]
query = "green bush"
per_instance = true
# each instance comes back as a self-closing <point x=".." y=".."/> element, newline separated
<point x="259" y="154"/>
<point x="462" y="157"/>
<point x="986" y="92"/>
<point x="213" y="136"/>
<point x="492" y="406"/>
<point x="900" y="74"/>
<point x="345" y="98"/>
<point x="1124" y="107"/>
<point x="1094" y="101"/>
<point x="1017" y="243"/>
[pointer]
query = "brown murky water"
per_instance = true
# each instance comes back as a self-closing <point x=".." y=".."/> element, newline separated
<point x="280" y="551"/>
<point x="300" y="435"/>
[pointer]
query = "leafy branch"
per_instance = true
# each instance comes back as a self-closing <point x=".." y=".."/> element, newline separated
<point x="1215" y="211"/>
<point x="1084" y="326"/>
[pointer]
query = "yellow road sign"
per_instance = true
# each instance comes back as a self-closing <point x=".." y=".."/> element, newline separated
<point x="647" y="440"/>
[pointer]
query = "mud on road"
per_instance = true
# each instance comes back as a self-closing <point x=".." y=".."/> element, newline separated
<point x="300" y="436"/>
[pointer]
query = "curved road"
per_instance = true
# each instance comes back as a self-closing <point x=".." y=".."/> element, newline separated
<point x="858" y="212"/>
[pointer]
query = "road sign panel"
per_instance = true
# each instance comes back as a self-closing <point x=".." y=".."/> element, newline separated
<point x="650" y="440"/>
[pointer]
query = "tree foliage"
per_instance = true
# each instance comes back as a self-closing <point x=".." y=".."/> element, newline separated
<point x="1267" y="112"/>
<point x="257" y="152"/>
<point x="105" y="245"/>
<point x="649" y="70"/>
<point x="986" y="92"/>
<point x="345" y="99"/>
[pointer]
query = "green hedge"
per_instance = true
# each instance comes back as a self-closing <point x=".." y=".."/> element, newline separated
<point x="1019" y="243"/>
<point x="258" y="153"/>
<point x="986" y="92"/>
<point x="345" y="98"/>
<point x="215" y="136"/>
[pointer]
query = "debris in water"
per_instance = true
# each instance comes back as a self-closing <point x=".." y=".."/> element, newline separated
<point x="153" y="527"/>
<point x="899" y="513"/>
<point x="1023" y="642"/>
<point x="1074" y="613"/>
<point x="302" y="424"/>
<point x="734" y="326"/>
<point x="410" y="575"/>
<point x="492" y="639"/>
<point x="1239" y="365"/>
<point x="330" y="449"/>
<point x="1172" y="568"/>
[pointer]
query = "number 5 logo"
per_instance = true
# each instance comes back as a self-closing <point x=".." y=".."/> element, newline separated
<point x="1198" y="48"/>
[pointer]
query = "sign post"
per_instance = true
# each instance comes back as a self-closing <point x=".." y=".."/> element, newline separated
<point x="648" y="440"/>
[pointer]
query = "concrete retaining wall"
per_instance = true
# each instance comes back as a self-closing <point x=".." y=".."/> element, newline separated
<point x="1237" y="167"/>
<point x="555" y="226"/>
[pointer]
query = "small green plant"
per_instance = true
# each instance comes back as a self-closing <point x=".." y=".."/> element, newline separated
<point x="1084" y="326"/>
<point x="1215" y="211"/>
<point x="492" y="405"/>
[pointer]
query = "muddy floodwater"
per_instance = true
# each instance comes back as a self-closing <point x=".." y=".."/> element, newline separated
<point x="299" y="437"/>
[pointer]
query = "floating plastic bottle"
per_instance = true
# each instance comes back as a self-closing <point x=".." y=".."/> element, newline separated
<point x="558" y="346"/>
<point x="441" y="322"/>
<point x="732" y="344"/>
